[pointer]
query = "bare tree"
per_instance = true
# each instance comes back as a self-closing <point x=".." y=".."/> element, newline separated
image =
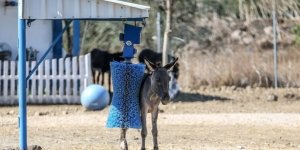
<point x="167" y="31"/>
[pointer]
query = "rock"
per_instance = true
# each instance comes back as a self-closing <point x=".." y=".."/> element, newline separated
<point x="65" y="112"/>
<point x="34" y="147"/>
<point x="10" y="112"/>
<point x="247" y="39"/>
<point x="161" y="111"/>
<point x="289" y="96"/>
<point x="248" y="88"/>
<point x="265" y="43"/>
<point x="174" y="107"/>
<point x="41" y="113"/>
<point x="236" y="35"/>
<point x="244" y="81"/>
<point x="233" y="88"/>
<point x="268" y="30"/>
<point x="37" y="113"/>
<point x="272" y="97"/>
<point x="240" y="147"/>
<point x="223" y="88"/>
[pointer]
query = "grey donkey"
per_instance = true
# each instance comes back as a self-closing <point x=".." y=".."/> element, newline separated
<point x="154" y="90"/>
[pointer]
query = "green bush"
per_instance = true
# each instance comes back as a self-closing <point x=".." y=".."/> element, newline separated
<point x="296" y="32"/>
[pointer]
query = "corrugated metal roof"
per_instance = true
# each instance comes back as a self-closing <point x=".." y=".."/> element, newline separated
<point x="82" y="9"/>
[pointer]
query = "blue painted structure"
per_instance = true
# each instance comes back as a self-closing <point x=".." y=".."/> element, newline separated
<point x="48" y="50"/>
<point x="24" y="16"/>
<point x="56" y="30"/>
<point x="22" y="84"/>
<point x="130" y="37"/>
<point x="127" y="79"/>
<point x="124" y="111"/>
<point x="76" y="38"/>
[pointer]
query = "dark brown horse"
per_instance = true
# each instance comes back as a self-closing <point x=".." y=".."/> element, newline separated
<point x="154" y="90"/>
<point x="100" y="60"/>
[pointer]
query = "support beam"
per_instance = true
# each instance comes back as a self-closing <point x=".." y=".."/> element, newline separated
<point x="76" y="38"/>
<point x="56" y="30"/>
<point x="167" y="32"/>
<point x="22" y="84"/>
<point x="48" y="50"/>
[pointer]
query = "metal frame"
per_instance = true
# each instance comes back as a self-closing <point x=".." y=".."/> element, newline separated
<point x="48" y="50"/>
<point x="22" y="84"/>
<point x="22" y="119"/>
<point x="76" y="38"/>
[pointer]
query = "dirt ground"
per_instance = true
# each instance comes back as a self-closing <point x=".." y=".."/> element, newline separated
<point x="225" y="118"/>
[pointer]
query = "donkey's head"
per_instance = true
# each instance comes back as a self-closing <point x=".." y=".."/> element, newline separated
<point x="160" y="79"/>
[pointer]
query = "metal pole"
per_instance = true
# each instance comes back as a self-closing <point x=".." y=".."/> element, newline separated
<point x="158" y="35"/>
<point x="275" y="45"/>
<point x="22" y="84"/>
<point x="57" y="28"/>
<point x="76" y="38"/>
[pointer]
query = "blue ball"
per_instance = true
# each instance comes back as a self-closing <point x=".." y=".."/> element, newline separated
<point x="94" y="97"/>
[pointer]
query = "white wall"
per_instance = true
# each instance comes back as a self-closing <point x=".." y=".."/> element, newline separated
<point x="39" y="35"/>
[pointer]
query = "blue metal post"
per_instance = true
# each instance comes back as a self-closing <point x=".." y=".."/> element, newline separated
<point x="76" y="38"/>
<point x="56" y="30"/>
<point x="22" y="84"/>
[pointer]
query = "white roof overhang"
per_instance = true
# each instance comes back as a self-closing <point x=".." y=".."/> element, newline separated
<point x="82" y="9"/>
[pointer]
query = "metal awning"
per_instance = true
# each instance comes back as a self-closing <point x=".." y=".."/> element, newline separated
<point x="82" y="9"/>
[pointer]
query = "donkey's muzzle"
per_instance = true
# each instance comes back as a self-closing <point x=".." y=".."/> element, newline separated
<point x="165" y="99"/>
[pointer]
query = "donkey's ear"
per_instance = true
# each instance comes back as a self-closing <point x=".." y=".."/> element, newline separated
<point x="171" y="64"/>
<point x="150" y="64"/>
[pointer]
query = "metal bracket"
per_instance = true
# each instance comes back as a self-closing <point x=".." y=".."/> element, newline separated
<point x="144" y="23"/>
<point x="130" y="37"/>
<point x="29" y="21"/>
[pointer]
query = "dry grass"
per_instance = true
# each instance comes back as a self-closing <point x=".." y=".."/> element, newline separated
<point x="239" y="68"/>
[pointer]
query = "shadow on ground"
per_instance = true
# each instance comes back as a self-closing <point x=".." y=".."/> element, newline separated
<point x="196" y="97"/>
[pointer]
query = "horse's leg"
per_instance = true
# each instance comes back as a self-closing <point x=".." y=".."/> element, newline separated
<point x="102" y="76"/>
<point x="123" y="141"/>
<point x="94" y="76"/>
<point x="154" y="116"/>
<point x="109" y="87"/>
<point x="144" y="128"/>
<point x="97" y="77"/>
<point x="109" y="81"/>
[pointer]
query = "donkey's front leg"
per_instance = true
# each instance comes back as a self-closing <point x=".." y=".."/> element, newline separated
<point x="154" y="116"/>
<point x="123" y="142"/>
<point x="144" y="128"/>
